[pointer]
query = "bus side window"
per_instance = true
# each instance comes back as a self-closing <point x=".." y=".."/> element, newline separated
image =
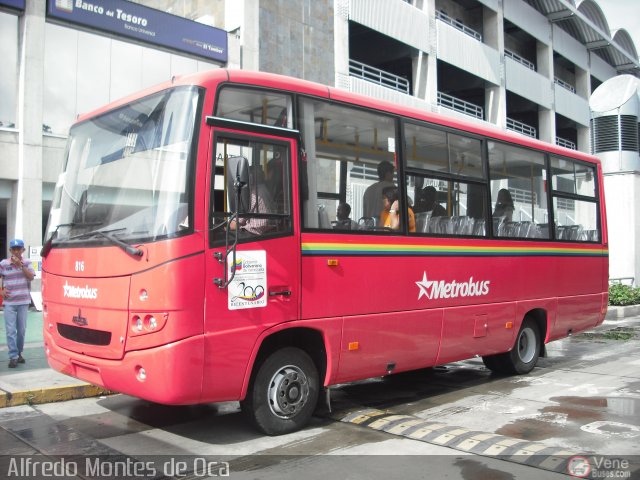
<point x="344" y="147"/>
<point x="575" y="209"/>
<point x="518" y="192"/>
<point x="447" y="207"/>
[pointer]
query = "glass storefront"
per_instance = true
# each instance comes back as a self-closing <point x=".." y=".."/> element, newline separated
<point x="85" y="71"/>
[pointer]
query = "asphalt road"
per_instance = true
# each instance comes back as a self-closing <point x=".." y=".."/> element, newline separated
<point x="577" y="412"/>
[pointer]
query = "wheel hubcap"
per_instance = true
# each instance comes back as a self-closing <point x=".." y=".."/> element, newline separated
<point x="527" y="345"/>
<point x="288" y="391"/>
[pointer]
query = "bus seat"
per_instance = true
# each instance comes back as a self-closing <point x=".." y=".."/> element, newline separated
<point x="479" y="228"/>
<point x="448" y="225"/>
<point x="526" y="230"/>
<point x="499" y="226"/>
<point x="590" y="235"/>
<point x="367" y="223"/>
<point x="463" y="225"/>
<point x="575" y="231"/>
<point x="543" y="230"/>
<point x="422" y="221"/>
<point x="323" y="217"/>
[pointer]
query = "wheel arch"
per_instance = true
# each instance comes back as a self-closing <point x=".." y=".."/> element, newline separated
<point x="309" y="340"/>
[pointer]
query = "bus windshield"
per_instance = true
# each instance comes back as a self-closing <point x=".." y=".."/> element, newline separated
<point x="126" y="172"/>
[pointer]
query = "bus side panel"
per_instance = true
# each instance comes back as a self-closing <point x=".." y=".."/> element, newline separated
<point x="550" y="308"/>
<point x="230" y="356"/>
<point x="576" y="314"/>
<point x="477" y="330"/>
<point x="399" y="341"/>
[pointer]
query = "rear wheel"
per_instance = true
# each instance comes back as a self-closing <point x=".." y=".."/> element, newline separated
<point x="283" y="393"/>
<point x="522" y="358"/>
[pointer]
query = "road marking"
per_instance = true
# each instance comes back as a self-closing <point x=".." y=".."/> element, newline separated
<point x="510" y="449"/>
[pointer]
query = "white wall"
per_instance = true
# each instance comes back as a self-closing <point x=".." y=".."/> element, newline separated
<point x="622" y="193"/>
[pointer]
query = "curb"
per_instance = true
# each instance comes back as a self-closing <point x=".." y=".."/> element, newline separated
<point x="52" y="394"/>
<point x="618" y="313"/>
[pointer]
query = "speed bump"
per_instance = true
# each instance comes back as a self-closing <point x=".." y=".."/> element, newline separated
<point x="515" y="450"/>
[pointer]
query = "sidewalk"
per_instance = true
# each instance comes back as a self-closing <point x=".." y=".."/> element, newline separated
<point x="35" y="382"/>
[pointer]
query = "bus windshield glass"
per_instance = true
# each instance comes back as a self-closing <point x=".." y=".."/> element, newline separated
<point x="127" y="172"/>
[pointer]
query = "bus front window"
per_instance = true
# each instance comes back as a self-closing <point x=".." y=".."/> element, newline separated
<point x="127" y="172"/>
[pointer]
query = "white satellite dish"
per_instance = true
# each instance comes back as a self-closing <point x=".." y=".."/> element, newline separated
<point x="614" y="93"/>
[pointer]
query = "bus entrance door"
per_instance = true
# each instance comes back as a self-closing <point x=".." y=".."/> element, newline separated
<point x="264" y="277"/>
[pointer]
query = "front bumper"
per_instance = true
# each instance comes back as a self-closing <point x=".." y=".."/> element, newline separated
<point x="170" y="374"/>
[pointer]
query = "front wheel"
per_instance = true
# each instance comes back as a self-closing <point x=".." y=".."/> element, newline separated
<point x="283" y="393"/>
<point x="523" y="357"/>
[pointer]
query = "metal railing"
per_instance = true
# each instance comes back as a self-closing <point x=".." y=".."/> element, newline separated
<point x="563" y="142"/>
<point x="565" y="85"/>
<point x="520" y="60"/>
<point x="380" y="77"/>
<point x="453" y="103"/>
<point x="522" y="128"/>
<point x="458" y="25"/>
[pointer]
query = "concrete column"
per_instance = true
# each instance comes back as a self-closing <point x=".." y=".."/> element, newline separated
<point x="250" y="36"/>
<point x="546" y="118"/>
<point x="584" y="139"/>
<point x="547" y="125"/>
<point x="495" y="105"/>
<point x="431" y="64"/>
<point x="544" y="59"/>
<point x="495" y="96"/>
<point x="27" y="194"/>
<point x="420" y="71"/>
<point x="583" y="83"/>
<point x="341" y="41"/>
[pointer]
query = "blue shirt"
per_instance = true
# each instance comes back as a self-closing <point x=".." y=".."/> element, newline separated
<point x="15" y="282"/>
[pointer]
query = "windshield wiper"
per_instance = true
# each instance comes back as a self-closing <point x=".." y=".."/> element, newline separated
<point x="46" y="248"/>
<point x="108" y="234"/>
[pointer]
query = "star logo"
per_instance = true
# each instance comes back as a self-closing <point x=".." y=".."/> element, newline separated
<point x="424" y="285"/>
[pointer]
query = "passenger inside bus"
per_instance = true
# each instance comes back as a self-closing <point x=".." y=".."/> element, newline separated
<point x="390" y="214"/>
<point x="428" y="203"/>
<point x="504" y="205"/>
<point x="372" y="199"/>
<point x="343" y="220"/>
<point x="261" y="203"/>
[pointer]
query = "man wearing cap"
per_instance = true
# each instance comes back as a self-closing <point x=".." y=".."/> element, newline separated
<point x="16" y="277"/>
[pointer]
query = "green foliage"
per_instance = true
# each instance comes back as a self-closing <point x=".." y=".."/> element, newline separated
<point x="621" y="295"/>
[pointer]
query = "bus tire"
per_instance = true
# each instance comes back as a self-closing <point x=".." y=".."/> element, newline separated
<point x="284" y="392"/>
<point x="523" y="357"/>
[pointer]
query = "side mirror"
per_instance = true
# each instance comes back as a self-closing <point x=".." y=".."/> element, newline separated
<point x="237" y="183"/>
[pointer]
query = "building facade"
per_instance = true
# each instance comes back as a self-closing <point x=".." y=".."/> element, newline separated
<point x="525" y="65"/>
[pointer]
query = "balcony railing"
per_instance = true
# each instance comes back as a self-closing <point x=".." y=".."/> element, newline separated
<point x="563" y="142"/>
<point x="564" y="85"/>
<point x="380" y="77"/>
<point x="519" y="59"/>
<point x="453" y="103"/>
<point x="522" y="128"/>
<point x="458" y="25"/>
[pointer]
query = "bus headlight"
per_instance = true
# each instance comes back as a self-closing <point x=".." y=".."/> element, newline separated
<point x="145" y="323"/>
<point x="137" y="324"/>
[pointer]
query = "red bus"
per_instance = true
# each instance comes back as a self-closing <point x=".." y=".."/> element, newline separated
<point x="237" y="236"/>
